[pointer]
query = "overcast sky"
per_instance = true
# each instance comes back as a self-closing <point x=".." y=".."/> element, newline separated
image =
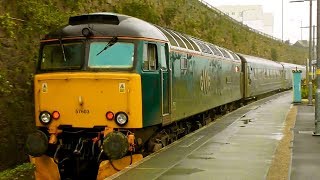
<point x="293" y="14"/>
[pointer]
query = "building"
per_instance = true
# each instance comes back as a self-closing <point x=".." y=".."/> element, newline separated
<point x="251" y="15"/>
<point x="302" y="43"/>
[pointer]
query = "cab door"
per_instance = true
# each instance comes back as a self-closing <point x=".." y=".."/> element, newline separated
<point x="155" y="83"/>
<point x="165" y="84"/>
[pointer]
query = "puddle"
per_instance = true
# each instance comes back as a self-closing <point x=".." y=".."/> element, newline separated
<point x="246" y="121"/>
<point x="276" y="136"/>
<point x="183" y="171"/>
<point x="205" y="157"/>
<point x="305" y="132"/>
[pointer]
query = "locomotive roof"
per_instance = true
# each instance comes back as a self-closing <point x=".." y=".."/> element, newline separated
<point x="108" y="24"/>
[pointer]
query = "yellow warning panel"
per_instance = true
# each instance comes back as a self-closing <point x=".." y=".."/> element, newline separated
<point x="122" y="87"/>
<point x="44" y="87"/>
<point x="108" y="168"/>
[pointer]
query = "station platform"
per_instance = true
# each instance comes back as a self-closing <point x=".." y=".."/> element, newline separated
<point x="257" y="141"/>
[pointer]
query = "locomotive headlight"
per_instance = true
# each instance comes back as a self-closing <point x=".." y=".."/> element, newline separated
<point x="121" y="118"/>
<point x="45" y="117"/>
<point x="86" y="32"/>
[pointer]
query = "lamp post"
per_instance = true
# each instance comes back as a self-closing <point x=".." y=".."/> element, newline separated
<point x="301" y="30"/>
<point x="310" y="52"/>
<point x="317" y="114"/>
<point x="282" y="22"/>
<point x="317" y="99"/>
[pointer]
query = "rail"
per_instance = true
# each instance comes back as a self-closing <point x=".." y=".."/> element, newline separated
<point x="237" y="22"/>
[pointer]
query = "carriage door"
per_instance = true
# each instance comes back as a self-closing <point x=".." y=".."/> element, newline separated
<point x="248" y="83"/>
<point x="164" y="83"/>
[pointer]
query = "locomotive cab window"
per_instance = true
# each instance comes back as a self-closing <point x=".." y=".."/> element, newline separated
<point x="150" y="57"/>
<point x="61" y="56"/>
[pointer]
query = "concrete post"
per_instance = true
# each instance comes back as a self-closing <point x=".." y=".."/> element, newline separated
<point x="317" y="104"/>
<point x="310" y="57"/>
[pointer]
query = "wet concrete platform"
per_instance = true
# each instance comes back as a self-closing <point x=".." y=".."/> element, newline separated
<point x="306" y="147"/>
<point x="240" y="145"/>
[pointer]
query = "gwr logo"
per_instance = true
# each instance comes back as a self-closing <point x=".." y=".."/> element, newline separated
<point x="205" y="81"/>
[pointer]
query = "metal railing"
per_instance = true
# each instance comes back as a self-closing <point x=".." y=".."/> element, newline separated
<point x="239" y="23"/>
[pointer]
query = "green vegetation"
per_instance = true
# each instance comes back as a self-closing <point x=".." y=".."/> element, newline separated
<point x="24" y="22"/>
<point x="305" y="90"/>
<point x="22" y="172"/>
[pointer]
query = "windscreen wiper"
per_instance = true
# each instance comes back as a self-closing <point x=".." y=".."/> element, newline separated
<point x="110" y="43"/>
<point x="62" y="48"/>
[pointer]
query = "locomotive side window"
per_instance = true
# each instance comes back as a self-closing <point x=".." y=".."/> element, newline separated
<point x="163" y="62"/>
<point x="150" y="57"/>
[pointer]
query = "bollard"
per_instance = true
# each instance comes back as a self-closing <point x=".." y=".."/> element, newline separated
<point x="296" y="85"/>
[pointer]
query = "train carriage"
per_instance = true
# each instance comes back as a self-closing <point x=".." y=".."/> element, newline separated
<point x="261" y="76"/>
<point x="287" y="74"/>
<point x="303" y="70"/>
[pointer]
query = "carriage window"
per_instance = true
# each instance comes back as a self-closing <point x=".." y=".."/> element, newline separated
<point x="184" y="63"/>
<point x="150" y="59"/>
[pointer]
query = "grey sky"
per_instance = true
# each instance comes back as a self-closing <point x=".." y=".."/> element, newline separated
<point x="293" y="14"/>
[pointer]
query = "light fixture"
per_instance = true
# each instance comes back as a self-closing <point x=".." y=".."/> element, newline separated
<point x="45" y="117"/>
<point x="121" y="118"/>
<point x="86" y="32"/>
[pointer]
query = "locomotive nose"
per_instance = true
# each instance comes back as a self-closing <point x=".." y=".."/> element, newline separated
<point x="36" y="144"/>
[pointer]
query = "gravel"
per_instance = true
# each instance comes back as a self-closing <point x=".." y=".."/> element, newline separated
<point x="281" y="162"/>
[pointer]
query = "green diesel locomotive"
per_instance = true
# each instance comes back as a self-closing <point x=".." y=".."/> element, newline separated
<point x="109" y="87"/>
